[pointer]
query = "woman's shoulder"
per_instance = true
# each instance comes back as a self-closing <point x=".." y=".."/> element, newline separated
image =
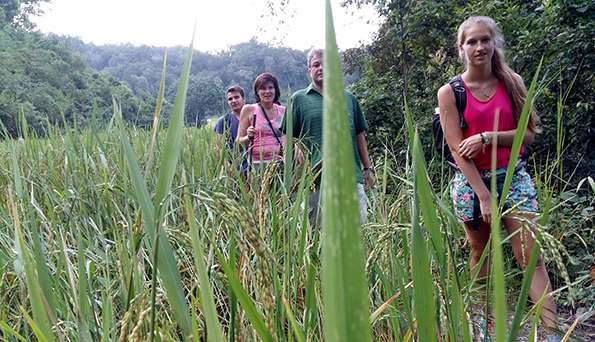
<point x="445" y="88"/>
<point x="248" y="109"/>
<point x="445" y="92"/>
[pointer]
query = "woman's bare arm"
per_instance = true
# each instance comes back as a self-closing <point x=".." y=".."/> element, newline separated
<point x="243" y="136"/>
<point x="449" y="120"/>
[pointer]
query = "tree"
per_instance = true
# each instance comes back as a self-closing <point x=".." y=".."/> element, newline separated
<point x="17" y="12"/>
<point x="206" y="97"/>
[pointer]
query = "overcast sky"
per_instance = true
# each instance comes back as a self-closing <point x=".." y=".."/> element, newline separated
<point x="221" y="23"/>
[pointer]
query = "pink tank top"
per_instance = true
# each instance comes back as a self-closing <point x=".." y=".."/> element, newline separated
<point x="266" y="147"/>
<point x="480" y="117"/>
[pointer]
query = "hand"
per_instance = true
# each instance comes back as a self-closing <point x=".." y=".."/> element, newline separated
<point x="250" y="132"/>
<point x="469" y="148"/>
<point x="485" y="205"/>
<point x="368" y="179"/>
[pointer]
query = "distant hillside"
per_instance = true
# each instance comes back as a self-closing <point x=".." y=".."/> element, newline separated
<point x="41" y="77"/>
<point x="140" y="67"/>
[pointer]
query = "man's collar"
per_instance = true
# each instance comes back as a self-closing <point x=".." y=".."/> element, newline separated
<point x="311" y="88"/>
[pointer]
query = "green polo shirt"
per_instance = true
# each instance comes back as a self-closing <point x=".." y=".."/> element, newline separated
<point x="306" y="107"/>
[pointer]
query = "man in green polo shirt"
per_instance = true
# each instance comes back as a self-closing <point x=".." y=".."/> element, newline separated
<point x="306" y="107"/>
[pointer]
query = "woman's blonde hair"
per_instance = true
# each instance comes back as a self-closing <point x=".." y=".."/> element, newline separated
<point x="514" y="83"/>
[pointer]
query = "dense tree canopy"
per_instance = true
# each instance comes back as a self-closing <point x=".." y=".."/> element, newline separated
<point x="41" y="78"/>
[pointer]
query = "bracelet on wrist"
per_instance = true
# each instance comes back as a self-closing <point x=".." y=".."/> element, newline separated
<point x="486" y="139"/>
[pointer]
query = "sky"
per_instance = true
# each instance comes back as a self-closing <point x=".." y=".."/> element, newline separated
<point x="298" y="24"/>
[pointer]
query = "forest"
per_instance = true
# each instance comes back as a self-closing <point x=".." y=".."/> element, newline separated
<point x="122" y="219"/>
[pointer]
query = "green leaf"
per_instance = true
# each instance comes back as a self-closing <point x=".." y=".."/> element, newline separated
<point x="344" y="285"/>
<point x="526" y="285"/>
<point x="166" y="262"/>
<point x="499" y="287"/>
<point x="297" y="330"/>
<point x="519" y="135"/>
<point x="41" y="320"/>
<point x="214" y="331"/>
<point x="423" y="293"/>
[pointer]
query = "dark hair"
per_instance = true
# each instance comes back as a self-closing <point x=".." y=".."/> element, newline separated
<point x="263" y="79"/>
<point x="235" y="88"/>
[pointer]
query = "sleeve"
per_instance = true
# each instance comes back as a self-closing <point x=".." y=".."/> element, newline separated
<point x="360" y="121"/>
<point x="219" y="126"/>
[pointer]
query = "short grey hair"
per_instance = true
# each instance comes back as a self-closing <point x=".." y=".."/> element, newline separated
<point x="314" y="52"/>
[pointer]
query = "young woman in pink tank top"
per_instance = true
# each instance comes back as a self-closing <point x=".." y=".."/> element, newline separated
<point x="259" y="127"/>
<point x="493" y="90"/>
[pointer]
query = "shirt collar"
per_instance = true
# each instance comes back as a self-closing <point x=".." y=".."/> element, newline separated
<point x="311" y="89"/>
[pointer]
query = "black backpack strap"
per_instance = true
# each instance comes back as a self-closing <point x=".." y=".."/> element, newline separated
<point x="458" y="88"/>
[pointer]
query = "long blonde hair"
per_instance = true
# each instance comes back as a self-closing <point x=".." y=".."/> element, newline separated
<point x="514" y="83"/>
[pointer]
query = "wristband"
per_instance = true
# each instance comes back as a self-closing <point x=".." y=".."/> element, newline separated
<point x="485" y="139"/>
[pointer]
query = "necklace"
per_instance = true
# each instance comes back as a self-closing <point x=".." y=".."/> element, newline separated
<point x="486" y="92"/>
<point x="272" y="113"/>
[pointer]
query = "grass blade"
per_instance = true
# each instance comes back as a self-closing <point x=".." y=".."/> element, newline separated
<point x="156" y="116"/>
<point x="289" y="148"/>
<point x="214" y="331"/>
<point x="520" y="133"/>
<point x="6" y="329"/>
<point x="499" y="284"/>
<point x="297" y="330"/>
<point x="175" y="133"/>
<point x="346" y="308"/>
<point x="423" y="294"/>
<point x="166" y="263"/>
<point x="41" y="321"/>
<point x="522" y="300"/>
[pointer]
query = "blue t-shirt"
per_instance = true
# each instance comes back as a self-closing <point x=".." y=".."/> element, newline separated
<point x="228" y="124"/>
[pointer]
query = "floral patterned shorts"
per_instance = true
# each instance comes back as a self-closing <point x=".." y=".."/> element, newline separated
<point x="521" y="196"/>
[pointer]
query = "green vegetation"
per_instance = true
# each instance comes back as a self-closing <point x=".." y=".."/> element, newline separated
<point x="50" y="85"/>
<point x="98" y="242"/>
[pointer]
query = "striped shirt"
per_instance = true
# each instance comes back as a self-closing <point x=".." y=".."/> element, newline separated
<point x="306" y="109"/>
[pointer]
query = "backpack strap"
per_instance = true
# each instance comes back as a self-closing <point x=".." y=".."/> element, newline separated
<point x="458" y="88"/>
